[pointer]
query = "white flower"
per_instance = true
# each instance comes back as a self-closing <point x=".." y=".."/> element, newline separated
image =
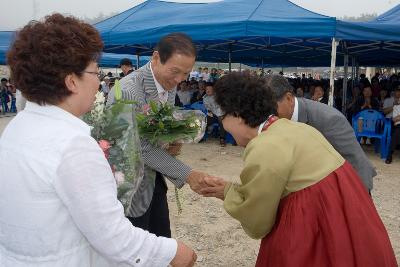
<point x="177" y="115"/>
<point x="97" y="112"/>
<point x="192" y="125"/>
<point x="198" y="123"/>
<point x="119" y="177"/>
<point x="100" y="98"/>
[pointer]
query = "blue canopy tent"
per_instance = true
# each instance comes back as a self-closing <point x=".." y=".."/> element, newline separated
<point x="109" y="60"/>
<point x="106" y="60"/>
<point x="248" y="31"/>
<point x="373" y="43"/>
<point x="6" y="38"/>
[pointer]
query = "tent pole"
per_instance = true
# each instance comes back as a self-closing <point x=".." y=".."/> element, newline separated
<point x="230" y="58"/>
<point x="137" y="61"/>
<point x="344" y="92"/>
<point x="357" y="72"/>
<point x="240" y="67"/>
<point x="333" y="66"/>
<point x="353" y="72"/>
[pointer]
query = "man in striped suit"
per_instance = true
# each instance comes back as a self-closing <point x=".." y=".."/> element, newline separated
<point x="171" y="63"/>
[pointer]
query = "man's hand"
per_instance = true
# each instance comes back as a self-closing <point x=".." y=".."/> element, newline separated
<point x="174" y="149"/>
<point x="216" y="188"/>
<point x="197" y="181"/>
<point x="184" y="257"/>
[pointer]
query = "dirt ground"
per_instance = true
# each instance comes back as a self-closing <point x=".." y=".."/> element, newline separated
<point x="218" y="239"/>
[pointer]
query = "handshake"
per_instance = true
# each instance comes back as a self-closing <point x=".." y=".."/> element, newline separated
<point x="199" y="182"/>
<point x="206" y="185"/>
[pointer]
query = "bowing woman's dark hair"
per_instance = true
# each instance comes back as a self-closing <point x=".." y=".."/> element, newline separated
<point x="246" y="96"/>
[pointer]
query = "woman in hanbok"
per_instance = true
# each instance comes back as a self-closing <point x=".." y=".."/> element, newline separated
<point x="297" y="193"/>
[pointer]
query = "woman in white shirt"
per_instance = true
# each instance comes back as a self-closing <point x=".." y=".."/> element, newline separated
<point x="58" y="198"/>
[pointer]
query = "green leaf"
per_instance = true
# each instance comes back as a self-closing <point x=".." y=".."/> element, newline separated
<point x="153" y="106"/>
<point x="118" y="92"/>
<point x="115" y="128"/>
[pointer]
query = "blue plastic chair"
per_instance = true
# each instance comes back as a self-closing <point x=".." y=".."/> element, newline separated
<point x="229" y="139"/>
<point x="373" y="124"/>
<point x="199" y="106"/>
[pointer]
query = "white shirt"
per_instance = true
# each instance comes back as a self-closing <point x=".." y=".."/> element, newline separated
<point x="205" y="76"/>
<point x="104" y="87"/>
<point x="396" y="112"/>
<point x="295" y="115"/>
<point x="387" y="103"/>
<point x="162" y="93"/>
<point x="194" y="74"/>
<point x="211" y="105"/>
<point x="58" y="199"/>
<point x="184" y="96"/>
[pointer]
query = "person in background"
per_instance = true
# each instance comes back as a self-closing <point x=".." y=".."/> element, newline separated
<point x="299" y="92"/>
<point x="214" y="113"/>
<point x="12" y="93"/>
<point x="126" y="66"/>
<point x="396" y="125"/>
<point x="199" y="90"/>
<point x="4" y="95"/>
<point x="105" y="86"/>
<point x="184" y="92"/>
<point x="58" y="195"/>
<point x="383" y="95"/>
<point x="319" y="95"/>
<point x="213" y="75"/>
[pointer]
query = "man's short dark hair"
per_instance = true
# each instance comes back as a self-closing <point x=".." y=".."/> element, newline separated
<point x="209" y="84"/>
<point x="126" y="62"/>
<point x="279" y="85"/>
<point x="172" y="43"/>
<point x="3" y="80"/>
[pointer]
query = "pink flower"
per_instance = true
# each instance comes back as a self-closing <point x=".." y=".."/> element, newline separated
<point x="105" y="146"/>
<point x="119" y="177"/>
<point x="146" y="109"/>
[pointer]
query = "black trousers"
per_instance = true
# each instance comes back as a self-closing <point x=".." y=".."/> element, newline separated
<point x="215" y="119"/>
<point x="395" y="139"/>
<point x="156" y="218"/>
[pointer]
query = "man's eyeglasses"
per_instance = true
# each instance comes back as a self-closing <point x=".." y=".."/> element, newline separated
<point x="98" y="74"/>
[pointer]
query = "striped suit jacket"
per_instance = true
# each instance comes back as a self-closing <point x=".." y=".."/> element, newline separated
<point x="139" y="86"/>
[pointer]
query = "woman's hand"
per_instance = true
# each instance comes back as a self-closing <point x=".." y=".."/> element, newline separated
<point x="185" y="256"/>
<point x="216" y="187"/>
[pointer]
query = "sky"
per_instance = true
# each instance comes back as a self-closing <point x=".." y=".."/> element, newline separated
<point x="17" y="13"/>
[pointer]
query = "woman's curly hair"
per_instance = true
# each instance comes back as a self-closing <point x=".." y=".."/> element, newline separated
<point x="246" y="96"/>
<point x="44" y="53"/>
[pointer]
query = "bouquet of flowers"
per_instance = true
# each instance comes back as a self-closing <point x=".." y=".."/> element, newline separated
<point x="114" y="128"/>
<point x="165" y="125"/>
